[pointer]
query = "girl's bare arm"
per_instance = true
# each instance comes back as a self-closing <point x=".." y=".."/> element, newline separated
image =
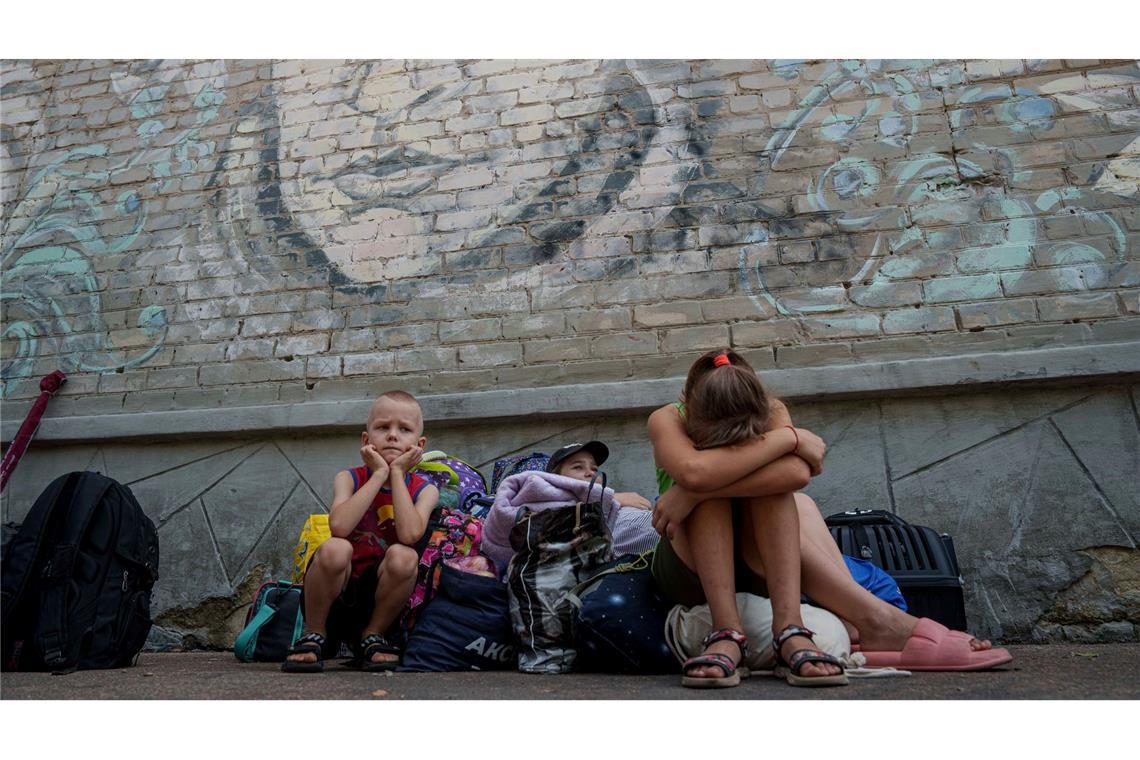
<point x="705" y="470"/>
<point x="787" y="474"/>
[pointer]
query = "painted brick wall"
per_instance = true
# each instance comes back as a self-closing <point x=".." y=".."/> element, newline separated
<point x="182" y="234"/>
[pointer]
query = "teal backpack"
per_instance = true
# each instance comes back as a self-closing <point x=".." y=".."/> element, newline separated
<point x="274" y="622"/>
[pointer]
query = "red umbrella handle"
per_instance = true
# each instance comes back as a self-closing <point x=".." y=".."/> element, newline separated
<point x="48" y="387"/>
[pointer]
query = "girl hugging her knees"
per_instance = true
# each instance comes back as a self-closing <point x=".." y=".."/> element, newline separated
<point x="728" y="517"/>
<point x="729" y="465"/>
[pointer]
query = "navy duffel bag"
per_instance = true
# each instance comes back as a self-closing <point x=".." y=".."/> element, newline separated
<point x="619" y="620"/>
<point x="465" y="625"/>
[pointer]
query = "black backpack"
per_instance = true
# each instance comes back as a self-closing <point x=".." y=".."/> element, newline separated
<point x="77" y="578"/>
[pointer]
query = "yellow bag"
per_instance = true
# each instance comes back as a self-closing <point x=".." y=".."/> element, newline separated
<point x="315" y="533"/>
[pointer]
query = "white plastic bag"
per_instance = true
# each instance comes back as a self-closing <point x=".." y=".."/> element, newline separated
<point x="686" y="628"/>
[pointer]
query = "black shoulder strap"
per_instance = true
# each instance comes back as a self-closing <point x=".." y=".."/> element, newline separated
<point x="39" y="530"/>
<point x="72" y="521"/>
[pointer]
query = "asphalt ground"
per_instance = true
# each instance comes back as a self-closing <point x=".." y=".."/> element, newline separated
<point x="1038" y="672"/>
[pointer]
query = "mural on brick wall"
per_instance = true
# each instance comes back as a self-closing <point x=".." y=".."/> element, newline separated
<point x="92" y="201"/>
<point x="911" y="169"/>
<point x="385" y="211"/>
<point x="909" y="181"/>
<point x="834" y="187"/>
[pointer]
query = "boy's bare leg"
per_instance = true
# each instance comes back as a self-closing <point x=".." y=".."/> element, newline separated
<point x="704" y="542"/>
<point x="397" y="579"/>
<point x="826" y="579"/>
<point x="324" y="580"/>
<point x="773" y="523"/>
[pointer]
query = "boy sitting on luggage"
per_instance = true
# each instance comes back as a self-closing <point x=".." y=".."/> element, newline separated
<point x="360" y="579"/>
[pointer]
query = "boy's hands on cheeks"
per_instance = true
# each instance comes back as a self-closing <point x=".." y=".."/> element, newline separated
<point x="407" y="460"/>
<point x="373" y="461"/>
<point x="673" y="507"/>
<point x="811" y="449"/>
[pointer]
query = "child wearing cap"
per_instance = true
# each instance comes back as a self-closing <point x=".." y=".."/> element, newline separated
<point x="582" y="460"/>
<point x="565" y="481"/>
<point x="632" y="530"/>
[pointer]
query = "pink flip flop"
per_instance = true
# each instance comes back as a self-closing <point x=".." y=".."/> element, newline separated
<point x="933" y="646"/>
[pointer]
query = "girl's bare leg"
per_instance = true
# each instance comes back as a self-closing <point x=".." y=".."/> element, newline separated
<point x="825" y="578"/>
<point x="704" y="542"/>
<point x="773" y="524"/>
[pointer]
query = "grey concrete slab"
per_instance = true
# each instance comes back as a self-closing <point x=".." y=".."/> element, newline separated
<point x="481" y="443"/>
<point x="946" y="498"/>
<point x="920" y="431"/>
<point x="190" y="569"/>
<point x="39" y="467"/>
<point x="241" y="505"/>
<point x="827" y="382"/>
<point x="1105" y="671"/>
<point x="97" y="462"/>
<point x="176" y="477"/>
<point x="854" y="474"/>
<point x="317" y="459"/>
<point x="1019" y="508"/>
<point x="1065" y="507"/>
<point x="272" y="555"/>
<point x="1104" y="436"/>
<point x="132" y="464"/>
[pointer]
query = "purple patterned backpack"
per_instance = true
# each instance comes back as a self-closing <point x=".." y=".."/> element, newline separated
<point x="458" y="482"/>
<point x="456" y="528"/>
<point x="516" y="463"/>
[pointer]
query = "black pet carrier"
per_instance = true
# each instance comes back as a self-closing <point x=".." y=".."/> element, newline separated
<point x="920" y="559"/>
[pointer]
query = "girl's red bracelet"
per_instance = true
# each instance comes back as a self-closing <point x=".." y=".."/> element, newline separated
<point x="797" y="435"/>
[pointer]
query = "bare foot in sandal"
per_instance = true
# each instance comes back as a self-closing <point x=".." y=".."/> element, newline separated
<point x="808" y="669"/>
<point x="893" y="630"/>
<point x="728" y="648"/>
<point x="718" y="665"/>
<point x="306" y="655"/>
<point x="377" y="653"/>
<point x="801" y="663"/>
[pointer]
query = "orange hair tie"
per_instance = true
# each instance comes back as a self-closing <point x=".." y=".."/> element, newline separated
<point x="720" y="360"/>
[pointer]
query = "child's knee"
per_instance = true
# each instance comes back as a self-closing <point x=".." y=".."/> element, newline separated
<point x="714" y="504"/>
<point x="805" y="504"/>
<point x="334" y="555"/>
<point x="401" y="561"/>
<point x="766" y="502"/>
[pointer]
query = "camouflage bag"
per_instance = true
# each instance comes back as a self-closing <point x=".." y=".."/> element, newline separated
<point x="555" y="550"/>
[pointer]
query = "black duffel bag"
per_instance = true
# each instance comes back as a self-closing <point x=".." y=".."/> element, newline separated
<point x="920" y="559"/>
